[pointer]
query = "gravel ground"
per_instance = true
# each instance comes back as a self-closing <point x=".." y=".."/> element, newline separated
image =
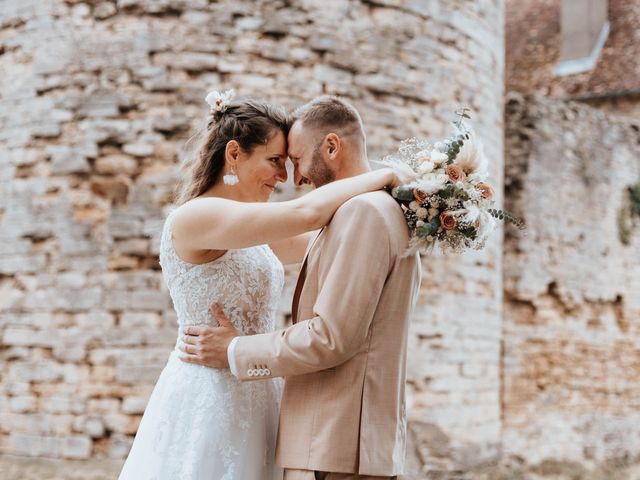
<point x="24" y="468"/>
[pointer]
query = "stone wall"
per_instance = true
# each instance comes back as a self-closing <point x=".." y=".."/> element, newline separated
<point x="98" y="99"/>
<point x="571" y="355"/>
<point x="627" y="106"/>
<point x="454" y="357"/>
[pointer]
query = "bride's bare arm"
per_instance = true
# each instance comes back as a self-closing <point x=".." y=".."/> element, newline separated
<point x="291" y="250"/>
<point x="220" y="224"/>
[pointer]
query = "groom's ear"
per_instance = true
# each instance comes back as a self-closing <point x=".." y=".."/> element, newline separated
<point x="332" y="142"/>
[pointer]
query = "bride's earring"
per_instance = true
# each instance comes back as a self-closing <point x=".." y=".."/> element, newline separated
<point x="231" y="178"/>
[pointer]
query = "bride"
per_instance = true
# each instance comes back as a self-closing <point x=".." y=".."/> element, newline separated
<point x="225" y="243"/>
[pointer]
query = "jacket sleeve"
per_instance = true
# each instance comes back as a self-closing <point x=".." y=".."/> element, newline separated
<point x="354" y="264"/>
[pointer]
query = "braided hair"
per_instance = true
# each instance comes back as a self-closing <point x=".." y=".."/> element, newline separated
<point x="249" y="122"/>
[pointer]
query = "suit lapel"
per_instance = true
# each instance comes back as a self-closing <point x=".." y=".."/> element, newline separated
<point x="301" y="278"/>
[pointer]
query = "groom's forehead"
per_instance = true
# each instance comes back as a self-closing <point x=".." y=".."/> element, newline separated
<point x="296" y="139"/>
<point x="297" y="130"/>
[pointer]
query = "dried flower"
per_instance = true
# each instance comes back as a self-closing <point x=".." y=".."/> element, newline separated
<point x="448" y="221"/>
<point x="419" y="195"/>
<point x="455" y="173"/>
<point x="486" y="190"/>
<point x="438" y="157"/>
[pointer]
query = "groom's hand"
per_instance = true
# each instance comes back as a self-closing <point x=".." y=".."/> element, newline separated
<point x="204" y="345"/>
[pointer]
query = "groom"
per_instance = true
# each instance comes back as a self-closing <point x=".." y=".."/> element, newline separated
<point x="344" y="357"/>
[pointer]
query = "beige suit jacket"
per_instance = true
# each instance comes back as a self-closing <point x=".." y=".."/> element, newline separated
<point x="344" y="359"/>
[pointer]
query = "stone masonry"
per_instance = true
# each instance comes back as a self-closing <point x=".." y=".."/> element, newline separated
<point x="98" y="99"/>
<point x="571" y="356"/>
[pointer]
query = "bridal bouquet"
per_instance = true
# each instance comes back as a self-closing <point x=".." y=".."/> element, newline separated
<point x="447" y="201"/>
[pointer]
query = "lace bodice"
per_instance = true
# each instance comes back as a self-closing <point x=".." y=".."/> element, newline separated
<point x="203" y="422"/>
<point x="247" y="283"/>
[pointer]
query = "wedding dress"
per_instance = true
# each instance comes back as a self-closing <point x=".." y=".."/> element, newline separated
<point x="202" y="423"/>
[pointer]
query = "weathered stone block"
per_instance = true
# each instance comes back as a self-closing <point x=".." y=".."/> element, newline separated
<point x="20" y="336"/>
<point x="138" y="149"/>
<point x="136" y="375"/>
<point x="95" y="319"/>
<point x="115" y="189"/>
<point x="104" y="10"/>
<point x="73" y="446"/>
<point x="122" y="225"/>
<point x="20" y="264"/>
<point x="66" y="160"/>
<point x="190" y="61"/>
<point x="69" y="351"/>
<point x="121" y="423"/>
<point x="16" y="387"/>
<point x="77" y="447"/>
<point x="26" y="157"/>
<point x="103" y="406"/>
<point x="105" y="356"/>
<point x="134" y="405"/>
<point x="116" y="164"/>
<point x="144" y="320"/>
<point x="92" y="426"/>
<point x="23" y="404"/>
<point x="152" y="300"/>
<point x="119" y="446"/>
<point x="34" y="371"/>
<point x="332" y="76"/>
<point x="133" y="246"/>
<point x="63" y="403"/>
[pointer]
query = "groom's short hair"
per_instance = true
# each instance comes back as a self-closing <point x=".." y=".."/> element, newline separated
<point x="328" y="114"/>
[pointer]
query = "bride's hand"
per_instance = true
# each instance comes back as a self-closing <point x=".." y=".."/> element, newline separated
<point x="398" y="177"/>
<point x="397" y="174"/>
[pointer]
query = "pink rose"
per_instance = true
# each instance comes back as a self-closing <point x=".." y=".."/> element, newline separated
<point x="486" y="190"/>
<point x="455" y="173"/>
<point x="419" y="195"/>
<point x="447" y="221"/>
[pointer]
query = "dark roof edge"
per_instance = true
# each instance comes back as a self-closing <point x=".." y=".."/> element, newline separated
<point x="605" y="96"/>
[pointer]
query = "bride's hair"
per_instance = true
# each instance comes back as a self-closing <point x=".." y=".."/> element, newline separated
<point x="249" y="122"/>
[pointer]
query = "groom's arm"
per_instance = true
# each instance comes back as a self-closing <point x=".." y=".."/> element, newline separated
<point x="354" y="263"/>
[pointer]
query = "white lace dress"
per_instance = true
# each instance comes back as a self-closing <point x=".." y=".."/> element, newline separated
<point x="203" y="423"/>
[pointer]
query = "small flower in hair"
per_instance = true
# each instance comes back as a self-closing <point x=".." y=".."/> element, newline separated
<point x="219" y="101"/>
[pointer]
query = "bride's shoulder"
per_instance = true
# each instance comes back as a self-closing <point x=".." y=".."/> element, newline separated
<point x="198" y="210"/>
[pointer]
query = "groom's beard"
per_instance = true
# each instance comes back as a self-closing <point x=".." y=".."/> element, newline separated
<point x="320" y="173"/>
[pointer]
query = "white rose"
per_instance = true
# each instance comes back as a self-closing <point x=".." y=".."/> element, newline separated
<point x="431" y="183"/>
<point x="422" y="213"/>
<point x="426" y="167"/>
<point x="414" y="205"/>
<point x="419" y="223"/>
<point x="438" y="157"/>
<point x="433" y="212"/>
